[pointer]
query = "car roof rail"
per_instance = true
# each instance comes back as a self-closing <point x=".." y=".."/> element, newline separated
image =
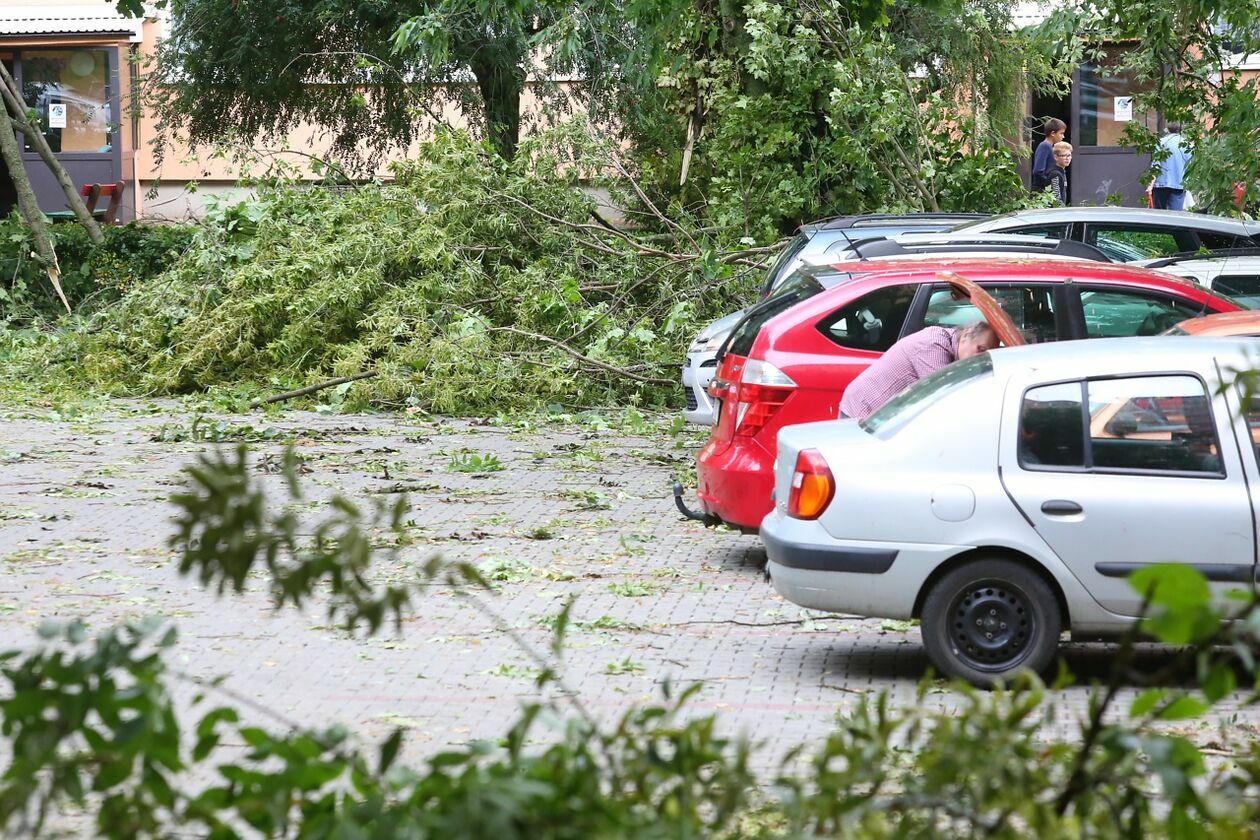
<point x="1216" y="254"/>
<point x="866" y="249"/>
<point x="858" y="219"/>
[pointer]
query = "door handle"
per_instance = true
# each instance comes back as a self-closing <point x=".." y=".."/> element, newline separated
<point x="1061" y="507"/>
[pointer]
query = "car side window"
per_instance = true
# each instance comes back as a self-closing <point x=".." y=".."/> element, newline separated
<point x="873" y="321"/>
<point x="1046" y="231"/>
<point x="1244" y="288"/>
<point x="1126" y="244"/>
<point x="1116" y="313"/>
<point x="1152" y="423"/>
<point x="1222" y="241"/>
<point x="1051" y="433"/>
<point x="1031" y="308"/>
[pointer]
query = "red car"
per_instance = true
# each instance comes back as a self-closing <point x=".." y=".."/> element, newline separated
<point x="791" y="358"/>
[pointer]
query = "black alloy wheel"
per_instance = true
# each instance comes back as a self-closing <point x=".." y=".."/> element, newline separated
<point x="989" y="619"/>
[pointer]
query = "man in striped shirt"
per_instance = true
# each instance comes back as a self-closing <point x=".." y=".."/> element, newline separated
<point x="911" y="359"/>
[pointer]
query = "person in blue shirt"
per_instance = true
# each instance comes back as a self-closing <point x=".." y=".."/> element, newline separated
<point x="1043" y="158"/>
<point x="1167" y="190"/>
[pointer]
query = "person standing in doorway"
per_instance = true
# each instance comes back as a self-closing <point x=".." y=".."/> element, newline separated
<point x="1168" y="192"/>
<point x="1056" y="175"/>
<point x="1043" y="158"/>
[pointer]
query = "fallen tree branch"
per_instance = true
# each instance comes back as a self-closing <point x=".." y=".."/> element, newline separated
<point x="650" y="380"/>
<point x="310" y="389"/>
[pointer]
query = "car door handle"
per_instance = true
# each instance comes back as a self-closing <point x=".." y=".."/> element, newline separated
<point x="1061" y="507"/>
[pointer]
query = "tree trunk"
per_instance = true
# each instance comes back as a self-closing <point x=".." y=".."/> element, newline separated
<point x="28" y="206"/>
<point x="17" y="110"/>
<point x="501" y="83"/>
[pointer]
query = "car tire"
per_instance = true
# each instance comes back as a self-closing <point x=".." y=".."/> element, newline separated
<point x="989" y="619"/>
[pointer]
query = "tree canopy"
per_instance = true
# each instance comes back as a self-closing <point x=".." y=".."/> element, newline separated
<point x="373" y="73"/>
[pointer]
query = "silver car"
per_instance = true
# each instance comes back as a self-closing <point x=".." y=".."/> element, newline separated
<point x="1007" y="497"/>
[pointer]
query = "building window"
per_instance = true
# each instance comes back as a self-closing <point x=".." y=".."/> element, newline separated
<point x="1107" y="102"/>
<point x="70" y="92"/>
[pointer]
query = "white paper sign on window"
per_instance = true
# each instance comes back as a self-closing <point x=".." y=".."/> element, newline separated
<point x="1124" y="109"/>
<point x="57" y="115"/>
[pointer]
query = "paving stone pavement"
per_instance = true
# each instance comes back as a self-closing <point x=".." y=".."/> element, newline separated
<point x="578" y="509"/>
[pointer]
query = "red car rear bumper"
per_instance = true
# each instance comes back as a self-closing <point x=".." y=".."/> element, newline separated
<point x="735" y="481"/>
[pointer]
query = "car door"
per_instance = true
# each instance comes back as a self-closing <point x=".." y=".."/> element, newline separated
<point x="1119" y="473"/>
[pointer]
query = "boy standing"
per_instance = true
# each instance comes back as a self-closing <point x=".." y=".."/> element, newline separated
<point x="1056" y="175"/>
<point x="1043" y="159"/>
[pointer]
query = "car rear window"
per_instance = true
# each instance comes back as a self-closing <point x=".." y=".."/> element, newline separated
<point x="798" y="287"/>
<point x="927" y="390"/>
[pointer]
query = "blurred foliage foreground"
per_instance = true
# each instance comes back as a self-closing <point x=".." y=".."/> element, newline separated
<point x="469" y="284"/>
<point x="90" y="721"/>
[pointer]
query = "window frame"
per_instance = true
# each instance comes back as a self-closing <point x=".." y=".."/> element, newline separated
<point x="1087" y="446"/>
<point x="113" y="98"/>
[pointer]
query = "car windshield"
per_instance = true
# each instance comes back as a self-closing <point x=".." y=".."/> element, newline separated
<point x="926" y="391"/>
<point x="798" y="287"/>
<point x="786" y="261"/>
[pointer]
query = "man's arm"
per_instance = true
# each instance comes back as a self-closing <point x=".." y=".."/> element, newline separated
<point x="1041" y="159"/>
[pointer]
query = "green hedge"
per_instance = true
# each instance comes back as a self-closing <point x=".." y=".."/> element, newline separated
<point x="89" y="273"/>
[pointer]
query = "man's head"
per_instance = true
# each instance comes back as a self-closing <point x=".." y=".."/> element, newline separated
<point x="975" y="339"/>
<point x="1055" y="129"/>
<point x="1063" y="153"/>
<point x="1174" y="128"/>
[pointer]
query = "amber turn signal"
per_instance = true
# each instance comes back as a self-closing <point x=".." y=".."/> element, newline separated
<point x="812" y="486"/>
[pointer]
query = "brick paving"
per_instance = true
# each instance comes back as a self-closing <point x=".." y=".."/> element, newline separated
<point x="579" y="509"/>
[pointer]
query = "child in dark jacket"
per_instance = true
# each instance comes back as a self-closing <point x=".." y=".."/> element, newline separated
<point x="1056" y="175"/>
<point x="1043" y="158"/>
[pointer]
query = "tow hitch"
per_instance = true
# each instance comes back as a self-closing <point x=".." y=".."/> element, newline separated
<point x="707" y="518"/>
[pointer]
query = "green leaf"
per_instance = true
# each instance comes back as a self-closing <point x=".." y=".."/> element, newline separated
<point x="1219" y="683"/>
<point x="1182" y="708"/>
<point x="1146" y="701"/>
<point x="112" y="773"/>
<point x="389" y="750"/>
<point x="1172" y="585"/>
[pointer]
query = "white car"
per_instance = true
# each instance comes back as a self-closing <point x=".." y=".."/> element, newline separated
<point x="1233" y="273"/>
<point x="702" y="355"/>
<point x="1006" y="498"/>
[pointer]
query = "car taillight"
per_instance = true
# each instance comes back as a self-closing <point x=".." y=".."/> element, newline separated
<point x="762" y="391"/>
<point x="812" y="486"/>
